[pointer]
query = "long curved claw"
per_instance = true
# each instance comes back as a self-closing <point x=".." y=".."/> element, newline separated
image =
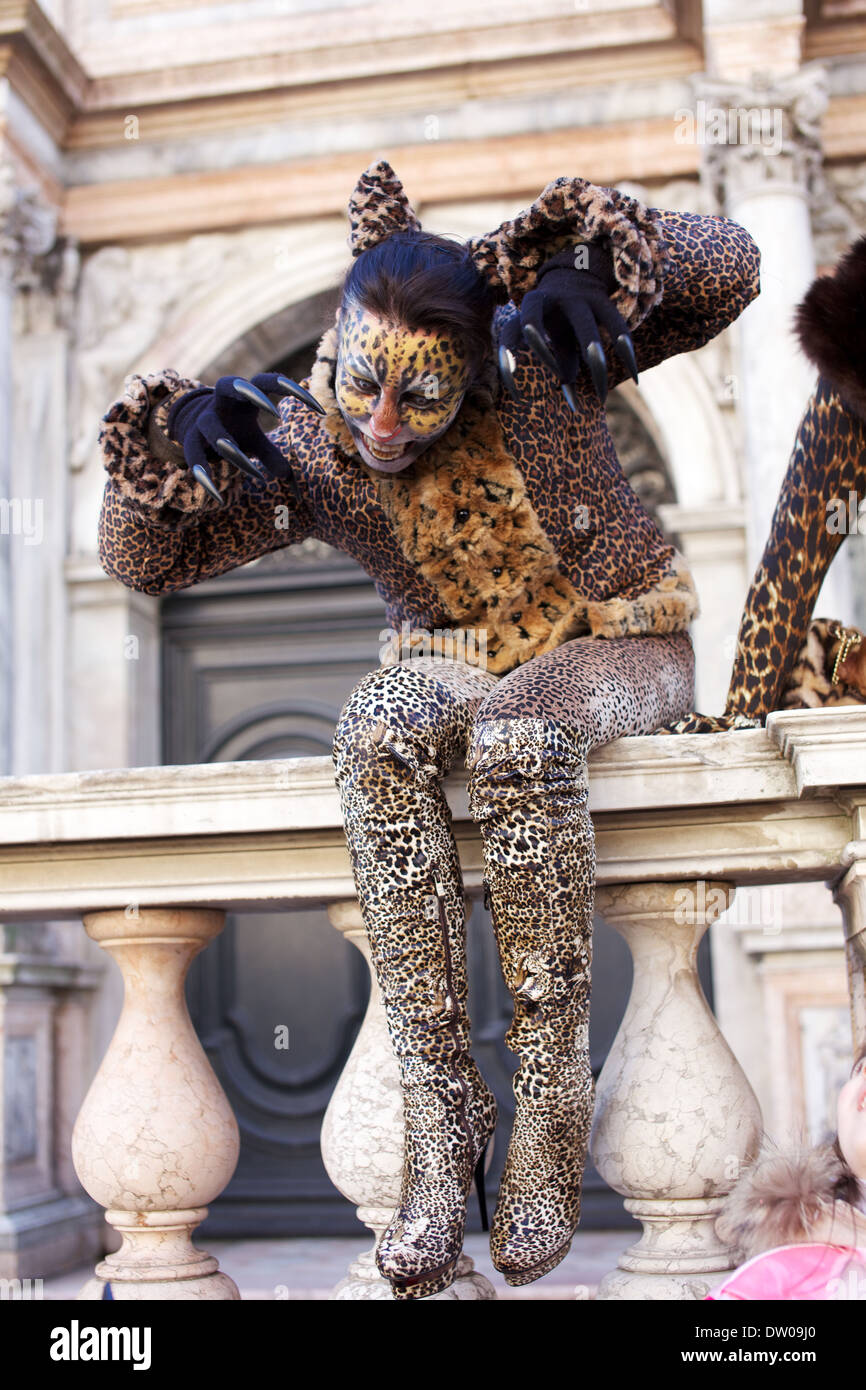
<point x="202" y="474"/>
<point x="569" y="396"/>
<point x="291" y="388"/>
<point x="507" y="365"/>
<point x="540" y="348"/>
<point x="252" y="393"/>
<point x="598" y="369"/>
<point x="624" y="349"/>
<point x="232" y="454"/>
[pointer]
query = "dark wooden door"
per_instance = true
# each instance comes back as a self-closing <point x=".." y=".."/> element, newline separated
<point x="257" y="664"/>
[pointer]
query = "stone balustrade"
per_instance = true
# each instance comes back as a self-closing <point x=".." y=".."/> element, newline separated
<point x="152" y="858"/>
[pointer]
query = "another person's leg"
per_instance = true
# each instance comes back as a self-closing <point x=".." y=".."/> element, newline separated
<point x="528" y="793"/>
<point x="397" y="736"/>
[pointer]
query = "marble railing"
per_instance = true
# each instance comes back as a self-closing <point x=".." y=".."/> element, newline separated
<point x="152" y="858"/>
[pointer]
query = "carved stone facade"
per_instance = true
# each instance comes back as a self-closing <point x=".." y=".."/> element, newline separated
<point x="198" y="222"/>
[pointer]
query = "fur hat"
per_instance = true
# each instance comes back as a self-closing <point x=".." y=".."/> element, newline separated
<point x="830" y="323"/>
<point x="780" y="1198"/>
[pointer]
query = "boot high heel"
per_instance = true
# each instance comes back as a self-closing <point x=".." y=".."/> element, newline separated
<point x="450" y="1121"/>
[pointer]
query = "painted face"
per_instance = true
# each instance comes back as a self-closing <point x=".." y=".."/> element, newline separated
<point x="398" y="388"/>
<point x="851" y="1119"/>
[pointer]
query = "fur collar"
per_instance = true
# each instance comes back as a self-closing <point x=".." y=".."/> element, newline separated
<point x="462" y="517"/>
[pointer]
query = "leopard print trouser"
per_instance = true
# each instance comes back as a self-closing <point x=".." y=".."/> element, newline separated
<point x="525" y="736"/>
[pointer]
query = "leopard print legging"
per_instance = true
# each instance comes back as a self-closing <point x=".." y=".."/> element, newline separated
<point x="526" y="736"/>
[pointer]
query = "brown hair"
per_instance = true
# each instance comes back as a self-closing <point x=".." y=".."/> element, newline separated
<point x="425" y="281"/>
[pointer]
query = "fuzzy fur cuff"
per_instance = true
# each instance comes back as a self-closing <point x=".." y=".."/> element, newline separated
<point x="571" y="210"/>
<point x="148" y="467"/>
<point x="668" y="606"/>
<point x="696" y="723"/>
<point x="831" y="326"/>
<point x="811" y="685"/>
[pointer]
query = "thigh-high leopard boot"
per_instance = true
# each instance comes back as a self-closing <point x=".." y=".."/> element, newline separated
<point x="528" y="793"/>
<point x="396" y="738"/>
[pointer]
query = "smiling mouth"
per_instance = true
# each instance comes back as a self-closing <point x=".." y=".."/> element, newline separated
<point x="385" y="452"/>
<point x="392" y="457"/>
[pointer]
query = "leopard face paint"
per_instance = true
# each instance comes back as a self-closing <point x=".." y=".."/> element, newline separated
<point x="398" y="388"/>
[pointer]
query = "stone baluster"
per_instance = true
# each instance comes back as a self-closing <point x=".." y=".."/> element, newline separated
<point x="362" y="1137"/>
<point x="156" y="1139"/>
<point x="850" y="894"/>
<point x="675" y="1116"/>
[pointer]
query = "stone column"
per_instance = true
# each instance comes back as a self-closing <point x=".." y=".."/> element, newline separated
<point x="362" y="1137"/>
<point x="9" y="250"/>
<point x="850" y="894"/>
<point x="27" y="232"/>
<point x="37" y="276"/>
<point x="763" y="164"/>
<point x="675" y="1117"/>
<point x="156" y="1139"/>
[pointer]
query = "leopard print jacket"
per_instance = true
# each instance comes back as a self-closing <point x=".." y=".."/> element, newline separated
<point x="519" y="518"/>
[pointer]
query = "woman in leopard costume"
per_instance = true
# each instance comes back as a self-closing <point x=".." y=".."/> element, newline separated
<point x="783" y="659"/>
<point x="491" y="511"/>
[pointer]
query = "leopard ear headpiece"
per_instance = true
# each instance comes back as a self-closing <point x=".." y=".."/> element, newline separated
<point x="378" y="206"/>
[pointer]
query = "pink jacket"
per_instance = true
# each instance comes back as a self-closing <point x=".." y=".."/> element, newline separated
<point x="809" y="1272"/>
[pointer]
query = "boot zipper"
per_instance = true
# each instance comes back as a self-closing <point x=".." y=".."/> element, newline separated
<point x="464" y="1092"/>
<point x="488" y="903"/>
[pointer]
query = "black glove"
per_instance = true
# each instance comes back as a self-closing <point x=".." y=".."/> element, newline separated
<point x="224" y="418"/>
<point x="559" y="320"/>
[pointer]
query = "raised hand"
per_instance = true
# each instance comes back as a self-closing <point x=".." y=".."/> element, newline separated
<point x="224" y="418"/>
<point x="560" y="318"/>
